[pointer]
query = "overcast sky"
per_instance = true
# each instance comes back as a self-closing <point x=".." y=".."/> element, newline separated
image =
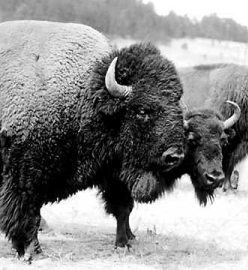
<point x="235" y="9"/>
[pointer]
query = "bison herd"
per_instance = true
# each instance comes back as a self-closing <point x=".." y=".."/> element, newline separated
<point x="77" y="113"/>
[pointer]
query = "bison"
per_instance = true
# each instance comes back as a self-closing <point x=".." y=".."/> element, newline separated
<point x="76" y="113"/>
<point x="209" y="86"/>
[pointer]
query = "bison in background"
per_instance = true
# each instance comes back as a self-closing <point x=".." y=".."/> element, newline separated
<point x="76" y="114"/>
<point x="210" y="86"/>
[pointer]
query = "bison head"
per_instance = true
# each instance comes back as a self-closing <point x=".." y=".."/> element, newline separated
<point x="206" y="134"/>
<point x="136" y="93"/>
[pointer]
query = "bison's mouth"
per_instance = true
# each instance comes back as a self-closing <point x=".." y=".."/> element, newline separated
<point x="205" y="187"/>
<point x="212" y="183"/>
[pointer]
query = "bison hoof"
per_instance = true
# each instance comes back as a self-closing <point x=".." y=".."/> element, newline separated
<point x="122" y="242"/>
<point x="27" y="258"/>
<point x="123" y="249"/>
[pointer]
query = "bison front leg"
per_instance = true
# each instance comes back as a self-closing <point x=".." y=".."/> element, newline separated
<point x="227" y="182"/>
<point x="230" y="160"/>
<point x="119" y="203"/>
<point x="231" y="181"/>
<point x="121" y="231"/>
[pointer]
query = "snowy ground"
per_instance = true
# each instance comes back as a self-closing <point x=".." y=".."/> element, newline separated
<point x="172" y="233"/>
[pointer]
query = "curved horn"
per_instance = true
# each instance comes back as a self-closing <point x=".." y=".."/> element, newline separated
<point x="115" y="89"/>
<point x="234" y="118"/>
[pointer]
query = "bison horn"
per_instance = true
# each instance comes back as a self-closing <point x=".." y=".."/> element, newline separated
<point x="115" y="89"/>
<point x="234" y="118"/>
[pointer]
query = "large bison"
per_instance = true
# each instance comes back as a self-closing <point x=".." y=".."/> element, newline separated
<point x="209" y="86"/>
<point x="76" y="114"/>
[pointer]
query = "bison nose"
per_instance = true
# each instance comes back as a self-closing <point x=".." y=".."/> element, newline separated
<point x="172" y="156"/>
<point x="215" y="178"/>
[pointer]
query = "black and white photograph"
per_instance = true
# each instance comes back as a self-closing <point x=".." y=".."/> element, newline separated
<point x="123" y="135"/>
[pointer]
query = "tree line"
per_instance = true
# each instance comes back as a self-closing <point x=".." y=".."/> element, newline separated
<point x="126" y="18"/>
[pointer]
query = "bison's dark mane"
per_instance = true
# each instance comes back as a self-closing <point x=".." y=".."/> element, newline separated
<point x="133" y="64"/>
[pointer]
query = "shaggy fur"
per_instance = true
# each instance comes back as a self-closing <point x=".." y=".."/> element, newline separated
<point x="214" y="85"/>
<point x="63" y="132"/>
<point x="203" y="156"/>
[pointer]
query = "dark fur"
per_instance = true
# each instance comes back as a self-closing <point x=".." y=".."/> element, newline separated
<point x="107" y="143"/>
<point x="216" y="85"/>
<point x="202" y="155"/>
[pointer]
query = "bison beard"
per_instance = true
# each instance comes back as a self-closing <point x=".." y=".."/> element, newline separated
<point x="204" y="195"/>
<point x="147" y="188"/>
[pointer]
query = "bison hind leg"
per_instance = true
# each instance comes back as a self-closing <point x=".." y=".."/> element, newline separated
<point x="19" y="220"/>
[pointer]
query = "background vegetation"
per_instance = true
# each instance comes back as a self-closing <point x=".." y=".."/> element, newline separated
<point x="127" y="18"/>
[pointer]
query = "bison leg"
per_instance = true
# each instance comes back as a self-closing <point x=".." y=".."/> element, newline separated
<point x="234" y="179"/>
<point x="19" y="219"/>
<point x="121" y="231"/>
<point x="231" y="180"/>
<point x="32" y="248"/>
<point x="227" y="182"/>
<point x="119" y="203"/>
<point x="229" y="162"/>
